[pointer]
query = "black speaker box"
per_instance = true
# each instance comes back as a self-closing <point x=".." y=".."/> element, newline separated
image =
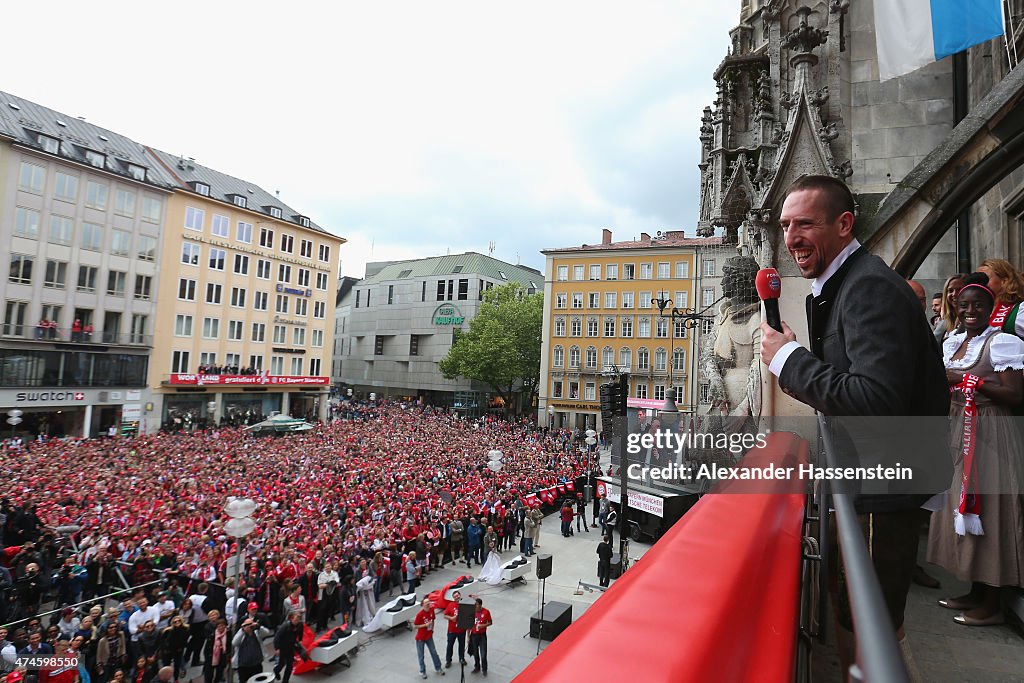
<point x="556" y="617"/>
<point x="467" y="615"/>
<point x="543" y="566"/>
<point x="616" y="566"/>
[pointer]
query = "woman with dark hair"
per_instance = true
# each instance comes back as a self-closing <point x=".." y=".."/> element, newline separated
<point x="1007" y="284"/>
<point x="947" y="311"/>
<point x="978" y="535"/>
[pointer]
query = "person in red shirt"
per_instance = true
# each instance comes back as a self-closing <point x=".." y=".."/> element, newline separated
<point x="451" y="613"/>
<point x="478" y="637"/>
<point x="424" y="625"/>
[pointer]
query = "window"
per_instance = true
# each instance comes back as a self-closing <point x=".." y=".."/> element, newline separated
<point x="660" y="360"/>
<point x="610" y="299"/>
<point x="137" y="172"/>
<point x="65" y="187"/>
<point x="574" y="357"/>
<point x="280" y="334"/>
<point x="115" y="282"/>
<point x="319" y="309"/>
<point x="243" y="232"/>
<point x="298" y="336"/>
<point x="179" y="362"/>
<point x="140" y="323"/>
<point x="284" y="273"/>
<point x="61" y="230"/>
<point x="259" y="332"/>
<point x="628" y="271"/>
<point x="664" y="270"/>
<point x="297" y="366"/>
<point x="301" y="306"/>
<point x="562" y="274"/>
<point x="659" y="392"/>
<point x="233" y="361"/>
<point x="609" y="327"/>
<point x="577" y="273"/>
<point x="32" y="177"/>
<point x="641" y="390"/>
<point x="705" y="392"/>
<point x="679" y="360"/>
<point x="182" y="325"/>
<point x="627" y="327"/>
<point x="592" y="327"/>
<point x="661" y="329"/>
<point x="201" y="188"/>
<point x="239" y="200"/>
<point x="303" y="277"/>
<point x="575" y="327"/>
<point x="316" y="339"/>
<point x="152" y="208"/>
<point x="94" y="158"/>
<point x="241" y="264"/>
<point x="707" y="296"/>
<point x="96" y="195"/>
<point x="235" y="328"/>
<point x="560" y="299"/>
<point x="625" y="358"/>
<point x="643" y="359"/>
<point x="595" y="272"/>
<point x="577" y="300"/>
<point x="680" y="329"/>
<point x="589" y="390"/>
<point x="190" y="253"/>
<point x="87" y="278"/>
<point x="321" y="283"/>
<point x="611" y="271"/>
<point x="414" y="344"/>
<point x="682" y="300"/>
<point x="238" y="297"/>
<point x="463" y="293"/>
<point x="709" y="267"/>
<point x="325" y="253"/>
<point x="124" y="203"/>
<point x="627" y="299"/>
<point x="92" y="237"/>
<point x="306" y="249"/>
<point x="646" y="271"/>
<point x="358" y="293"/>
<point x="147" y="248"/>
<point x="281" y="304"/>
<point x="213" y="292"/>
<point x="211" y="328"/>
<point x="256" y="361"/>
<point x="378" y="345"/>
<point x="194" y="218"/>
<point x="287" y="243"/>
<point x="267" y="238"/>
<point x="556" y="388"/>
<point x="56" y="274"/>
<point x="217" y="258"/>
<point x="220" y="226"/>
<point x="594" y="300"/>
<point x="706" y="326"/>
<point x="263" y="269"/>
<point x="645" y="299"/>
<point x="557" y="357"/>
<point x="186" y="289"/>
<point x="559" y="327"/>
<point x="21" y="269"/>
<point x="26" y="223"/>
<point x="590" y="358"/>
<point x="120" y="242"/>
<point x="440" y="290"/>
<point x="208" y="358"/>
<point x="143" y="287"/>
<point x="607" y="358"/>
<point x="277" y="365"/>
<point x="643" y="328"/>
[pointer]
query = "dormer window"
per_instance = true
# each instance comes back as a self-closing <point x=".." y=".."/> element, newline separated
<point x="94" y="158"/>
<point x="502" y="275"/>
<point x="137" y="172"/>
<point x="201" y="188"/>
<point x="51" y="145"/>
<point x="239" y="200"/>
<point x="274" y="211"/>
<point x="302" y="220"/>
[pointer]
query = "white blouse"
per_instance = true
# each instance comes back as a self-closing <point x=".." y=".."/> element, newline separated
<point x="1006" y="350"/>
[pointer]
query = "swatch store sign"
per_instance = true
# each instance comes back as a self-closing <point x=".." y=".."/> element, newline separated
<point x="31" y="398"/>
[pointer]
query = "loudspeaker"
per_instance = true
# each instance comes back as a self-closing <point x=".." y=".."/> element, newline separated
<point x="616" y="566"/>
<point x="467" y="615"/>
<point x="543" y="566"/>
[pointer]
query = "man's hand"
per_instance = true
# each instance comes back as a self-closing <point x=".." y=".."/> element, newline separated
<point x="773" y="340"/>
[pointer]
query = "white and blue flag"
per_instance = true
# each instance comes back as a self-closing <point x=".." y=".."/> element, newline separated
<point x="913" y="33"/>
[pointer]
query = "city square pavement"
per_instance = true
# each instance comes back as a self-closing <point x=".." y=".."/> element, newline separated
<point x="391" y="657"/>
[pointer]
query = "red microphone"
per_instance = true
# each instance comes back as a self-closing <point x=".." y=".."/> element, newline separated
<point x="769" y="287"/>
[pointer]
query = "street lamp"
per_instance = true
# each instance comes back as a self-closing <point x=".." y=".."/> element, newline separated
<point x="591" y="442"/>
<point x="238" y="527"/>
<point x="690" y="319"/>
<point x="551" y="417"/>
<point x="14" y="419"/>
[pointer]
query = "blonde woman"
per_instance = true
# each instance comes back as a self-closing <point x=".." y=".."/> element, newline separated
<point x="1007" y="284"/>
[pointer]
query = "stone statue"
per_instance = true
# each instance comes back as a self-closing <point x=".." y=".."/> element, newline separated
<point x="730" y="363"/>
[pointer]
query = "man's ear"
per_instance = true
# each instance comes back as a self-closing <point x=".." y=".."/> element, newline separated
<point x="846" y="221"/>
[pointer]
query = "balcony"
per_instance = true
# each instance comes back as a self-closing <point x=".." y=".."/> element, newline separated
<point x="243" y="380"/>
<point x="65" y="335"/>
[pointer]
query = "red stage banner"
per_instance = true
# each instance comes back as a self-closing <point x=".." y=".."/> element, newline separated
<point x="716" y="599"/>
<point x="248" y="380"/>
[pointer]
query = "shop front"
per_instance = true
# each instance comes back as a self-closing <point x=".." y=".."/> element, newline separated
<point x="565" y="415"/>
<point x="59" y="412"/>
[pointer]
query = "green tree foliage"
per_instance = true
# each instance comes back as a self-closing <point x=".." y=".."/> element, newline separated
<point x="502" y="346"/>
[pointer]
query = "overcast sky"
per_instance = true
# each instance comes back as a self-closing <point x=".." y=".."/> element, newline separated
<point x="410" y="128"/>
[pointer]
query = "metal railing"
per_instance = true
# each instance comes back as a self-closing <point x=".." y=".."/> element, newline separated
<point x="878" y="658"/>
<point x="66" y="334"/>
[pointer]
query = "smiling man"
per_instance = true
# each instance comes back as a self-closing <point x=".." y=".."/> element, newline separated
<point x="871" y="354"/>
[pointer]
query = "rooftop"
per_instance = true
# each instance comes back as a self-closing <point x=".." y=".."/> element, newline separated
<point x="469" y="263"/>
<point x="672" y="239"/>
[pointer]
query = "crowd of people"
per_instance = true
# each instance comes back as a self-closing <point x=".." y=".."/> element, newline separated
<point x="390" y="495"/>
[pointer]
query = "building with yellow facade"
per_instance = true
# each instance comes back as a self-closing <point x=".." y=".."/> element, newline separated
<point x="244" y="325"/>
<point x="601" y="317"/>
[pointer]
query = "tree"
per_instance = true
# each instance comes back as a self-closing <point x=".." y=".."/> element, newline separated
<point x="502" y="346"/>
